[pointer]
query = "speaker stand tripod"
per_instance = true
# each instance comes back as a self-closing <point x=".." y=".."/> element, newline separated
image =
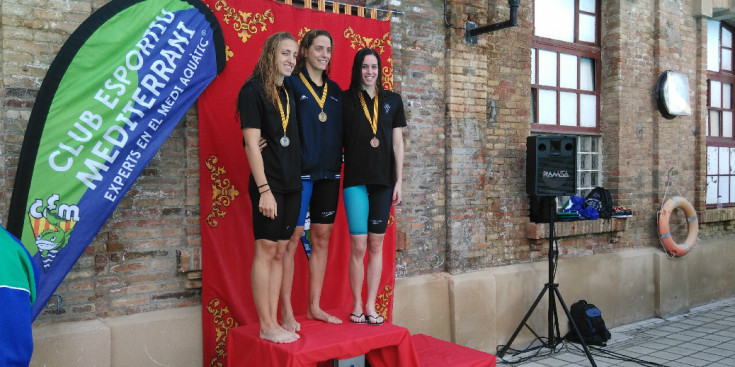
<point x="554" y="338"/>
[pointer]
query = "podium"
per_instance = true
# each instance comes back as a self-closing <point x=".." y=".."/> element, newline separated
<point x="435" y="352"/>
<point x="383" y="346"/>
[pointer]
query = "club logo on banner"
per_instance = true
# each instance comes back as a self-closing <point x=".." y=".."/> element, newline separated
<point x="113" y="94"/>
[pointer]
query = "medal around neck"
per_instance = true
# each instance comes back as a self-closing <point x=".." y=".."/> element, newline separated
<point x="374" y="142"/>
<point x="284" y="120"/>
<point x="319" y="101"/>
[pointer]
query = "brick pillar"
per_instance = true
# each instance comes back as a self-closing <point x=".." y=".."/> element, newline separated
<point x="420" y="62"/>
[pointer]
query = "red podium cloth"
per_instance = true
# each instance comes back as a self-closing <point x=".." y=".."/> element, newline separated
<point x="384" y="346"/>
<point x="434" y="352"/>
<point x="226" y="219"/>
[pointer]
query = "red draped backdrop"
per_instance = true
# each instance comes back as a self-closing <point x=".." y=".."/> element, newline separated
<point x="227" y="239"/>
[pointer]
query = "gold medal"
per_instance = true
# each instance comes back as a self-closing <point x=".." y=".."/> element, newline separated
<point x="319" y="101"/>
<point x="374" y="142"/>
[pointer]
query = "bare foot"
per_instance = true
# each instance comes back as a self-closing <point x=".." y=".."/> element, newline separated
<point x="289" y="323"/>
<point x="279" y="335"/>
<point x="320" y="315"/>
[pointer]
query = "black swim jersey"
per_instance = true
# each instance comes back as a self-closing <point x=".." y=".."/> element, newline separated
<point x="365" y="165"/>
<point x="282" y="164"/>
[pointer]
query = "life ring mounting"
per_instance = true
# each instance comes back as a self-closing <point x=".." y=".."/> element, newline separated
<point x="692" y="226"/>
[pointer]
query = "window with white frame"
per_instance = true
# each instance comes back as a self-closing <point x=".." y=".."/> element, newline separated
<point x="565" y="73"/>
<point x="720" y="139"/>
<point x="589" y="166"/>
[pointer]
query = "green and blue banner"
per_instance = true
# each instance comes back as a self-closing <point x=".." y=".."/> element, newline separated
<point x="113" y="94"/>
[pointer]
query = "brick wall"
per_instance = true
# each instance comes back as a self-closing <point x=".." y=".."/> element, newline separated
<point x="509" y="75"/>
<point x="467" y="158"/>
<point x="420" y="67"/>
<point x="641" y="40"/>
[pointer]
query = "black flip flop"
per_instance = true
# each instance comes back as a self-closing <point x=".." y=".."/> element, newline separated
<point x="360" y="316"/>
<point x="375" y="320"/>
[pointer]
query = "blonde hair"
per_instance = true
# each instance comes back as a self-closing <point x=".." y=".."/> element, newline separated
<point x="266" y="70"/>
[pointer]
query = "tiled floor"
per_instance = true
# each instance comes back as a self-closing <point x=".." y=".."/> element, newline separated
<point x="703" y="337"/>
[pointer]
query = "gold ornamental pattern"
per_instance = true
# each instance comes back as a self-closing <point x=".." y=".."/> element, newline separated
<point x="383" y="301"/>
<point x="245" y="23"/>
<point x="223" y="192"/>
<point x="358" y="41"/>
<point x="388" y="75"/>
<point x="302" y="33"/>
<point x="224" y="322"/>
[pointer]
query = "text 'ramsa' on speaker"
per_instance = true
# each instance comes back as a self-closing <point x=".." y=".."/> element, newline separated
<point x="551" y="169"/>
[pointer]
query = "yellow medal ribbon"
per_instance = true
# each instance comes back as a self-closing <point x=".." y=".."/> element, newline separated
<point x="373" y="122"/>
<point x="320" y="101"/>
<point x="284" y="119"/>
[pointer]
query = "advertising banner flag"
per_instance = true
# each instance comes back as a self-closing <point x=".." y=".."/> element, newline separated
<point x="112" y="95"/>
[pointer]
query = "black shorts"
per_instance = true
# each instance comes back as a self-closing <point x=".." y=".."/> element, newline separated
<point x="283" y="226"/>
<point x="320" y="199"/>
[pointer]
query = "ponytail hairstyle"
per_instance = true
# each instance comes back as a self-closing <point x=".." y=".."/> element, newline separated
<point x="306" y="42"/>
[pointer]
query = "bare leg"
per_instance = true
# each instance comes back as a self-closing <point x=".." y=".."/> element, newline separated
<point x="358" y="246"/>
<point x="374" y="271"/>
<point x="317" y="269"/>
<point x="276" y="278"/>
<point x="288" y="321"/>
<point x="261" y="283"/>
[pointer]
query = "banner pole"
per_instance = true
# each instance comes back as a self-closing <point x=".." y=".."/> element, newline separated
<point x="307" y="4"/>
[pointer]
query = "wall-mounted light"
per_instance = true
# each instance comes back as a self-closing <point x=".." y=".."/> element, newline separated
<point x="472" y="30"/>
<point x="672" y="95"/>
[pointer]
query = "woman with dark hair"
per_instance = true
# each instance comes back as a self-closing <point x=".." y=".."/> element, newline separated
<point x="319" y="114"/>
<point x="373" y="148"/>
<point x="264" y="108"/>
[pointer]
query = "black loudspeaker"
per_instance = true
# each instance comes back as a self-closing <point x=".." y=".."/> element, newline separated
<point x="551" y="169"/>
<point x="541" y="208"/>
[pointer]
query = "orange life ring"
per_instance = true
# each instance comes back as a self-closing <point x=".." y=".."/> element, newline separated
<point x="692" y="226"/>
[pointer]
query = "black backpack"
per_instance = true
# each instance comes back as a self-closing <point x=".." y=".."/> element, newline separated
<point x="590" y="324"/>
<point x="600" y="199"/>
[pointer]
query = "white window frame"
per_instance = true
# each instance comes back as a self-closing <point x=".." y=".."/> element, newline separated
<point x="720" y="181"/>
<point x="544" y="42"/>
